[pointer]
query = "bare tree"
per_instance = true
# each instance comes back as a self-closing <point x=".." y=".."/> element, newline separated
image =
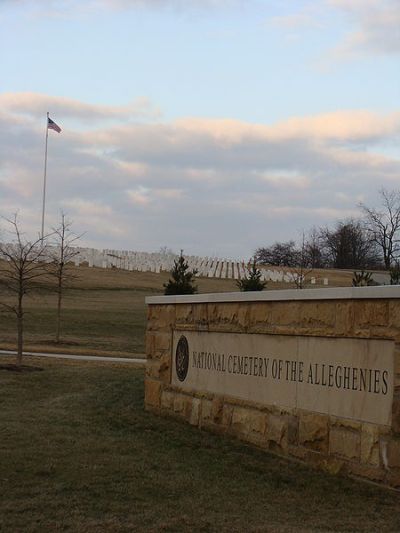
<point x="383" y="225"/>
<point x="303" y="268"/>
<point x="313" y="249"/>
<point x="348" y="246"/>
<point x="21" y="268"/>
<point x="279" y="254"/>
<point x="61" y="256"/>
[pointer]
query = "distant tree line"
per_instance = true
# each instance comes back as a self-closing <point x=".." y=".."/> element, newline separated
<point x="371" y="241"/>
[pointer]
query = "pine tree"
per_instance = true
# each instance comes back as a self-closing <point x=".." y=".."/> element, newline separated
<point x="252" y="280"/>
<point x="182" y="281"/>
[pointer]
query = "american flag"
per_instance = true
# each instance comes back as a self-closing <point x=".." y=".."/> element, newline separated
<point x="51" y="125"/>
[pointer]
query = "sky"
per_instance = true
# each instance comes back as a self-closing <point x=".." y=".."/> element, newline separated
<point x="212" y="126"/>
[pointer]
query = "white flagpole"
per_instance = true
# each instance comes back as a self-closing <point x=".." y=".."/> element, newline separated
<point x="45" y="172"/>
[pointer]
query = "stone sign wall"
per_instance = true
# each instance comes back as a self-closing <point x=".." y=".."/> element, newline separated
<point x="311" y="374"/>
<point x="350" y="378"/>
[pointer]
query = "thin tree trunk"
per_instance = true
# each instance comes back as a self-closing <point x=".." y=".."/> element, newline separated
<point x="59" y="300"/>
<point x="20" y="331"/>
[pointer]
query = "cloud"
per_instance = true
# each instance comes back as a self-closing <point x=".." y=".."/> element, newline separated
<point x="180" y="4"/>
<point x="375" y="25"/>
<point x="36" y="105"/>
<point x="69" y="8"/>
<point x="139" y="196"/>
<point x="358" y="125"/>
<point x="377" y="28"/>
<point x="86" y="207"/>
<point x="309" y="16"/>
<point x="205" y="185"/>
<point x="290" y="179"/>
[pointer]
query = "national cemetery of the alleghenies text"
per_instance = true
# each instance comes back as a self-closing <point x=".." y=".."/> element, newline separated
<point x="310" y="374"/>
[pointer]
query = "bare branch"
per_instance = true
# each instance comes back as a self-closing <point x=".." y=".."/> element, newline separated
<point x="383" y="226"/>
<point x="20" y="271"/>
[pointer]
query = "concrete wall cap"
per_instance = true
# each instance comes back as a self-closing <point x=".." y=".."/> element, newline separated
<point x="337" y="293"/>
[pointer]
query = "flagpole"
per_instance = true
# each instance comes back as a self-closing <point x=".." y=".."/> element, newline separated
<point x="45" y="173"/>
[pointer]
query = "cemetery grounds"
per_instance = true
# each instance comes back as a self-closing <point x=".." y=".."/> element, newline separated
<point x="79" y="453"/>
<point x="104" y="310"/>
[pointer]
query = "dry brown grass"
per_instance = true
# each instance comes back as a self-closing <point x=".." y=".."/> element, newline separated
<point x="104" y="310"/>
<point x="78" y="453"/>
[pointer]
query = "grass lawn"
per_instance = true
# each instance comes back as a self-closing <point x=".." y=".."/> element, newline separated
<point x="78" y="453"/>
<point x="104" y="311"/>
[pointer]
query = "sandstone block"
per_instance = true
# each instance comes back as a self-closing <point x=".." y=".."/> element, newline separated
<point x="167" y="400"/>
<point x="394" y="316"/>
<point x="240" y="420"/>
<point x="249" y="425"/>
<point x="152" y="392"/>
<point x="223" y="313"/>
<point x="166" y="318"/>
<point x="149" y="339"/>
<point x="159" y="368"/>
<point x="212" y="310"/>
<point x="346" y="423"/>
<point x="370" y="444"/>
<point x="364" y="333"/>
<point x="257" y="422"/>
<point x="259" y="313"/>
<point x="318" y="314"/>
<point x="333" y="465"/>
<point x="153" y="312"/>
<point x="243" y="315"/>
<point x="206" y="412"/>
<point x="200" y="314"/>
<point x="179" y="404"/>
<point x="396" y="411"/>
<point x="217" y="410"/>
<point x="161" y="317"/>
<point x="184" y="314"/>
<point x="366" y="471"/>
<point x="188" y="407"/>
<point x="382" y="332"/>
<point x="345" y="443"/>
<point x="152" y="368"/>
<point x="183" y="405"/>
<point x="369" y="313"/>
<point x="344" y="318"/>
<point x="162" y="343"/>
<point x="227" y="414"/>
<point x="397" y="359"/>
<point x="393" y="453"/>
<point x="194" y="417"/>
<point x="276" y="431"/>
<point x="293" y="429"/>
<point x="285" y="313"/>
<point x="164" y="371"/>
<point x="314" y="432"/>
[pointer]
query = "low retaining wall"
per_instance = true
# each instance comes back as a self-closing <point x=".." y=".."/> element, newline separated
<point x="311" y="374"/>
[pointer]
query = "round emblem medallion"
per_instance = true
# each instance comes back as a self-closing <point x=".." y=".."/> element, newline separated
<point x="182" y="358"/>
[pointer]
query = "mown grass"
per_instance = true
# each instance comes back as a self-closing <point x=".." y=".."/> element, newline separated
<point x="78" y="453"/>
<point x="104" y="312"/>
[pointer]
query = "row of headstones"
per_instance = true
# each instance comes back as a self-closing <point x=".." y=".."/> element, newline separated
<point x="211" y="267"/>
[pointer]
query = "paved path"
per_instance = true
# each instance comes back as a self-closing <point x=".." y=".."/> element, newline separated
<point x="80" y="357"/>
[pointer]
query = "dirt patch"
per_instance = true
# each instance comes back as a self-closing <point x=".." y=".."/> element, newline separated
<point x="23" y="368"/>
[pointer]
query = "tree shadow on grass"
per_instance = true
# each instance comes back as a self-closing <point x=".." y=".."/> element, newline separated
<point x="10" y="367"/>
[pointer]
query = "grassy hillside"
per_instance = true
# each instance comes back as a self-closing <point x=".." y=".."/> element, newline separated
<point x="104" y="310"/>
<point x="78" y="453"/>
